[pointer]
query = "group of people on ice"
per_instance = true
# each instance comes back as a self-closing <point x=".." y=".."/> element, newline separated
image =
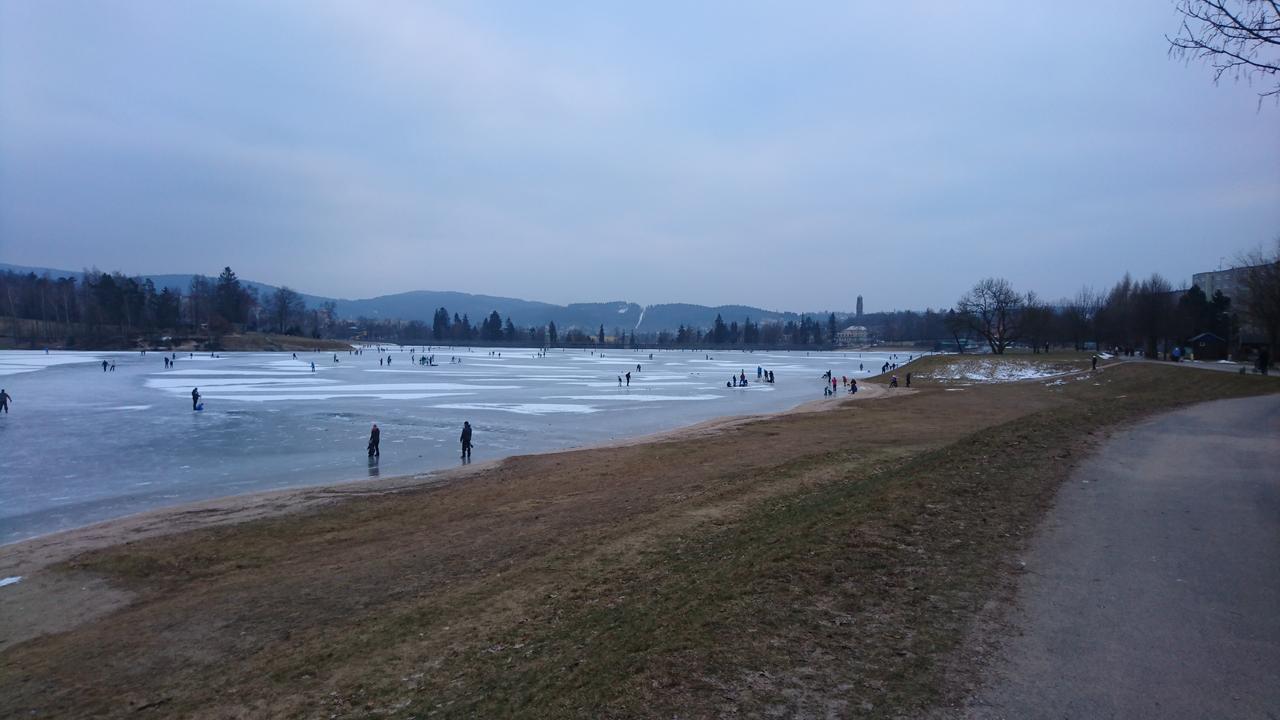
<point x="375" y="438"/>
<point x="740" y="380"/>
<point x="832" y="386"/>
<point x="829" y="384"/>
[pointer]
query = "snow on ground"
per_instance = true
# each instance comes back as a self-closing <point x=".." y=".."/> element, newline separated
<point x="10" y="580"/>
<point x="992" y="370"/>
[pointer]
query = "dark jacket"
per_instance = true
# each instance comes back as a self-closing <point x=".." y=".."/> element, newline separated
<point x="466" y="435"/>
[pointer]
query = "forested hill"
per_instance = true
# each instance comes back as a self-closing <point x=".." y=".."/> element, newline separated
<point x="422" y="304"/>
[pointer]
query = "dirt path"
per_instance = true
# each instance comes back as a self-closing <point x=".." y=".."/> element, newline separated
<point x="1153" y="588"/>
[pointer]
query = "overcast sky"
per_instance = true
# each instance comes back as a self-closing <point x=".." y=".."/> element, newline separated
<point x="785" y="155"/>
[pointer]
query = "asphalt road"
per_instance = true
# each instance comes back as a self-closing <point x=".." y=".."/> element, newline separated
<point x="1153" y="587"/>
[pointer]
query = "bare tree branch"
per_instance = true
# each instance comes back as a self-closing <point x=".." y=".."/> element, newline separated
<point x="1236" y="37"/>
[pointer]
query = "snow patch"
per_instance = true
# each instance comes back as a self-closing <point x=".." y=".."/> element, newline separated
<point x="635" y="398"/>
<point x="13" y="580"/>
<point x="521" y="408"/>
<point x="997" y="371"/>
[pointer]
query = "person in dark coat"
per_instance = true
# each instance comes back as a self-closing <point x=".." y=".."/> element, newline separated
<point x="374" y="436"/>
<point x="466" y="440"/>
<point x="195" y="397"/>
<point x="4" y="401"/>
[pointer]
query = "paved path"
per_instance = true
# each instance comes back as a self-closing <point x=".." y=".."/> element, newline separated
<point x="1153" y="588"/>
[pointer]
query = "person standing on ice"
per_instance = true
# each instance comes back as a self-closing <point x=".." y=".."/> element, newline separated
<point x="374" y="436"/>
<point x="4" y="401"/>
<point x="466" y="440"/>
<point x="104" y="366"/>
<point x="195" y="398"/>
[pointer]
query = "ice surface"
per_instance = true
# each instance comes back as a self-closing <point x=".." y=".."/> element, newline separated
<point x="12" y="363"/>
<point x="81" y="445"/>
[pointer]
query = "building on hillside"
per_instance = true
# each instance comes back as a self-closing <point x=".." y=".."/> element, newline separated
<point x="1232" y="284"/>
<point x="1208" y="346"/>
<point x="852" y="336"/>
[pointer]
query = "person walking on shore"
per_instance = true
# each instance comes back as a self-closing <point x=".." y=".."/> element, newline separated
<point x="374" y="437"/>
<point x="466" y="440"/>
<point x="195" y="398"/>
<point x="4" y="401"/>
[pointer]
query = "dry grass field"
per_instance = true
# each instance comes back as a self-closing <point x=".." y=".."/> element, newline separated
<point x="808" y="564"/>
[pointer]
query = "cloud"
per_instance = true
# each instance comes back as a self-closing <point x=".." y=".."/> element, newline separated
<point x="792" y="157"/>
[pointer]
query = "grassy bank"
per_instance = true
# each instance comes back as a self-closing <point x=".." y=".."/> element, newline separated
<point x="808" y="564"/>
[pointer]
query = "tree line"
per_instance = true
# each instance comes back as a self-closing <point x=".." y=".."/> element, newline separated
<point x="99" y="308"/>
<point x="1148" y="315"/>
<point x="494" y="329"/>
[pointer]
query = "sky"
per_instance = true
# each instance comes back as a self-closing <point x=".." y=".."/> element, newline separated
<point x="784" y="155"/>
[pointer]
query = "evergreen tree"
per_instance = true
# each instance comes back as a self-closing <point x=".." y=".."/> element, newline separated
<point x="165" y="309"/>
<point x="229" y="297"/>
<point x="719" y="332"/>
<point x="440" y="324"/>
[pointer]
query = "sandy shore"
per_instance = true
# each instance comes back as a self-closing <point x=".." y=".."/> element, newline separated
<point x="67" y="599"/>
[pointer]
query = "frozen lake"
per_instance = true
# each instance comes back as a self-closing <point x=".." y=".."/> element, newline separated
<point x="82" y="445"/>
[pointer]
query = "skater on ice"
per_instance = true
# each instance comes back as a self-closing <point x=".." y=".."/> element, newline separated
<point x="466" y="440"/>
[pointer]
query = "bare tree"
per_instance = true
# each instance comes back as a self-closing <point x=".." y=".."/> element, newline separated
<point x="1153" y="303"/>
<point x="1261" y="281"/>
<point x="1036" y="318"/>
<point x="957" y="325"/>
<point x="994" y="311"/>
<point x="1079" y="315"/>
<point x="1240" y="38"/>
<point x="285" y="309"/>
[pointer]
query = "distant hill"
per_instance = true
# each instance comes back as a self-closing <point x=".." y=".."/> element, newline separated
<point x="422" y="304"/>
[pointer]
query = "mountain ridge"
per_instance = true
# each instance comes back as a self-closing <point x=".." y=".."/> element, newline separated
<point x="421" y="305"/>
